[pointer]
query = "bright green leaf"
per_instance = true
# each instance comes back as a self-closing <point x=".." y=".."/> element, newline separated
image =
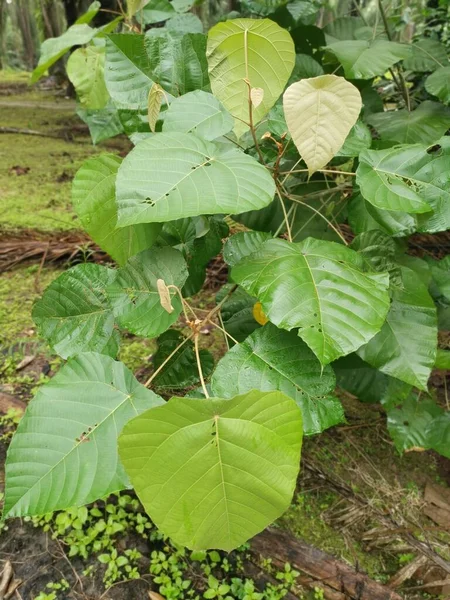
<point x="243" y="244"/>
<point x="442" y="360"/>
<point x="438" y="84"/>
<point x="93" y="196"/>
<point x="175" y="175"/>
<point x="258" y="51"/>
<point x="74" y="313"/>
<point x="320" y="113"/>
<point x="271" y="359"/>
<point x="213" y="473"/>
<point x="90" y="13"/>
<point x="319" y="287"/>
<point x="85" y="69"/>
<point x="64" y="452"/>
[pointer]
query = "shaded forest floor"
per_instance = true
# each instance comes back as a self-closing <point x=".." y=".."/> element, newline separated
<point x="356" y="499"/>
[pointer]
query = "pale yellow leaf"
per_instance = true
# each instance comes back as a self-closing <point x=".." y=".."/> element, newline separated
<point x="134" y="6"/>
<point x="155" y="97"/>
<point x="155" y="596"/>
<point x="257" y="96"/>
<point x="319" y="114"/>
<point x="164" y="296"/>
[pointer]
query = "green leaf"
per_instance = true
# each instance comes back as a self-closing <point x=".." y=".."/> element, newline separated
<point x="439" y="434"/>
<point x="305" y="67"/>
<point x="424" y="125"/>
<point x="242" y="244"/>
<point x="440" y="271"/>
<point x="187" y="23"/>
<point x="175" y="175"/>
<point x="74" y="313"/>
<point x="93" y="196"/>
<point x="91" y="12"/>
<point x="85" y="69"/>
<point x="320" y="113"/>
<point x="178" y="61"/>
<point x="427" y="55"/>
<point x="271" y="359"/>
<point x="258" y="51"/>
<point x="64" y="452"/>
<point x="409" y="422"/>
<point x="347" y="28"/>
<point x="200" y="113"/>
<point x="442" y="360"/>
<point x="181" y="370"/>
<point x="213" y="473"/>
<point x="367" y="383"/>
<point x="237" y="313"/>
<point x="406" y="345"/>
<point x="103" y="124"/>
<point x="199" y="239"/>
<point x="156" y="11"/>
<point x="53" y="49"/>
<point x="407" y="179"/>
<point x="182" y="6"/>
<point x="363" y="59"/>
<point x="358" y="139"/>
<point x="438" y="84"/>
<point x="319" y="287"/>
<point x="363" y="216"/>
<point x="128" y="70"/>
<point x="380" y="252"/>
<point x="303" y="11"/>
<point x="134" y="294"/>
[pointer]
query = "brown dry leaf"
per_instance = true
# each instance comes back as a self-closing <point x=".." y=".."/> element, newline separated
<point x="155" y="97"/>
<point x="155" y="596"/>
<point x="257" y="96"/>
<point x="438" y="504"/>
<point x="164" y="296"/>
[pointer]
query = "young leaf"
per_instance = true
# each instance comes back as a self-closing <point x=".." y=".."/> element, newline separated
<point x="213" y="473"/>
<point x="256" y="96"/>
<point x="200" y="113"/>
<point x="174" y="175"/>
<point x="155" y="98"/>
<point x="363" y="59"/>
<point x="438" y="84"/>
<point x="85" y="69"/>
<point x="93" y="197"/>
<point x="320" y="113"/>
<point x="64" y="451"/>
<point x="181" y="371"/>
<point x="134" y="294"/>
<point x="75" y="315"/>
<point x="406" y="345"/>
<point x="249" y="52"/>
<point x="424" y="125"/>
<point x="408" y="179"/>
<point x="319" y="287"/>
<point x="271" y="359"/>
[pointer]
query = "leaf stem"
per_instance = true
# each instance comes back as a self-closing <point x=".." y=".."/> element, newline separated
<point x="330" y="171"/>
<point x="164" y="363"/>
<point x="318" y="213"/>
<point x="286" y="218"/>
<point x="199" y="366"/>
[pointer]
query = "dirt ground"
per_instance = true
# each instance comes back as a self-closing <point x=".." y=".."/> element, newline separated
<point x="357" y="498"/>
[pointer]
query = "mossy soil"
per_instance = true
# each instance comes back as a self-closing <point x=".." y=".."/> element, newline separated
<point x="357" y="458"/>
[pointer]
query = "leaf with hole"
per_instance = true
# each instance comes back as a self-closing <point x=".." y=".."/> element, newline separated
<point x="213" y="473"/>
<point x="320" y="113"/>
<point x="319" y="287"/>
<point x="272" y="359"/>
<point x="174" y="175"/>
<point x="244" y="54"/>
<point x="93" y="197"/>
<point x="64" y="452"/>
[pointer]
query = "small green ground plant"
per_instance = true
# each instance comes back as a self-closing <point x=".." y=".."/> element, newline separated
<point x="278" y="124"/>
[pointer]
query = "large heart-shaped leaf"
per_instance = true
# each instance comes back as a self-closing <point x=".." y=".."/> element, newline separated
<point x="93" y="196"/>
<point x="319" y="287"/>
<point x="53" y="49"/>
<point x="438" y="84"/>
<point x="247" y="53"/>
<point x="198" y="112"/>
<point x="174" y="175"/>
<point x="424" y="125"/>
<point x="427" y="55"/>
<point x="409" y="179"/>
<point x="364" y="59"/>
<point x="213" y="473"/>
<point x="406" y="345"/>
<point x="85" y="69"/>
<point x="320" y="113"/>
<point x="64" y="452"/>
<point x="75" y="315"/>
<point x="271" y="359"/>
<point x="134" y="293"/>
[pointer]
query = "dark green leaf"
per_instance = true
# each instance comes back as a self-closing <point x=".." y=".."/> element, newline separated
<point x="439" y="434"/>
<point x="103" y="124"/>
<point x="408" y="423"/>
<point x="243" y="244"/>
<point x="427" y="55"/>
<point x="237" y="313"/>
<point x="380" y="251"/>
<point x="438" y="84"/>
<point x="363" y="216"/>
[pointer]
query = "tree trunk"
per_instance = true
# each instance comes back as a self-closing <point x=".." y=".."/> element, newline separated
<point x="23" y="14"/>
<point x="2" y="28"/>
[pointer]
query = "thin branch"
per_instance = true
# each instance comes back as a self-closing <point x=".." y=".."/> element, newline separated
<point x="224" y="331"/>
<point x="318" y="213"/>
<point x="164" y="363"/>
<point x="199" y="366"/>
<point x="329" y="171"/>
<point x="286" y="218"/>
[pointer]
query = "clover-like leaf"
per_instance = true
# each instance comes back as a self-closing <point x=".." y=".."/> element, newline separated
<point x="64" y="452"/>
<point x="212" y="473"/>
